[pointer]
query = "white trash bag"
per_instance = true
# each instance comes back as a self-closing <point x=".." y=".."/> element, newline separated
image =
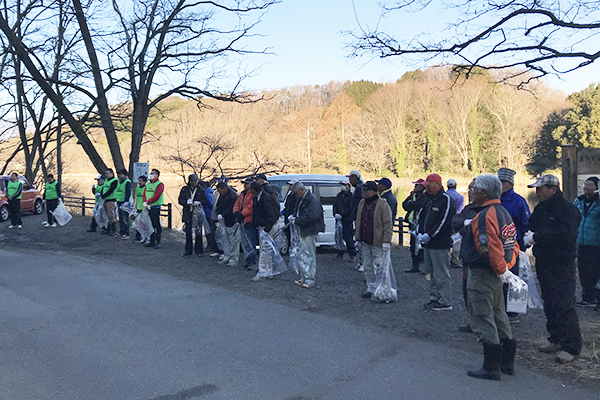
<point x="60" y="214"/>
<point x="339" y="236"/>
<point x="270" y="261"/>
<point x="100" y="215"/>
<point x="143" y="225"/>
<point x="385" y="289"/>
<point x="517" y="296"/>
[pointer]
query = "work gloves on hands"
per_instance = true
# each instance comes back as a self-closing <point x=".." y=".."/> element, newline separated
<point x="338" y="217"/>
<point x="528" y="238"/>
<point x="423" y="238"/>
<point x="508" y="277"/>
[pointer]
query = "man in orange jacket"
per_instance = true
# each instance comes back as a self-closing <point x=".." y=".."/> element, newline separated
<point x="242" y="209"/>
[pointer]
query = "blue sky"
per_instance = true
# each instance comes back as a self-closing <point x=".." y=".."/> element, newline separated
<point x="306" y="37"/>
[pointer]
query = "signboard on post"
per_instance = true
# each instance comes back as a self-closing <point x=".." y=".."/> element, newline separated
<point x="139" y="169"/>
<point x="578" y="164"/>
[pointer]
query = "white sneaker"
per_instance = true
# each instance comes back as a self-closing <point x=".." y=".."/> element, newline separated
<point x="45" y="223"/>
<point x="216" y="254"/>
<point x="54" y="225"/>
<point x="222" y="257"/>
<point x="232" y="263"/>
<point x="11" y="226"/>
<point x="19" y="226"/>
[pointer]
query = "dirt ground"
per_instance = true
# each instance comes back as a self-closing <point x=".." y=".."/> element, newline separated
<point x="336" y="292"/>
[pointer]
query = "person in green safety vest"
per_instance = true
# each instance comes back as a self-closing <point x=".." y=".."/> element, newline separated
<point x="96" y="191"/>
<point x="109" y="194"/>
<point x="153" y="200"/>
<point x="51" y="195"/>
<point x="412" y="205"/>
<point x="14" y="191"/>
<point x="123" y="196"/>
<point x="139" y="201"/>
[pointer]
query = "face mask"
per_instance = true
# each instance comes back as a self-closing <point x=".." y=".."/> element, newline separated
<point x="151" y="177"/>
<point x="345" y="188"/>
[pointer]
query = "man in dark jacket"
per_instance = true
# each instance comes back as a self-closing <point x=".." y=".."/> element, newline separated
<point x="357" y="183"/>
<point x="224" y="209"/>
<point x="342" y="211"/>
<point x="385" y="192"/>
<point x="553" y="232"/>
<point x="434" y="235"/>
<point x="14" y="192"/>
<point x="263" y="217"/>
<point x="412" y="205"/>
<point x="191" y="197"/>
<point x="308" y="216"/>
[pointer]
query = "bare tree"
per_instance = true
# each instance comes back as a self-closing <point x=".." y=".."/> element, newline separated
<point x="539" y="37"/>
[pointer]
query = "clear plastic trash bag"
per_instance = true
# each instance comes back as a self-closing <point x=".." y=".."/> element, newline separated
<point x="339" y="236"/>
<point x="270" y="261"/>
<point x="129" y="206"/>
<point x="456" y="241"/>
<point x="100" y="215"/>
<point x="417" y="243"/>
<point x="247" y="246"/>
<point x="517" y="296"/>
<point x="385" y="289"/>
<point x="277" y="233"/>
<point x="221" y="237"/>
<point x="200" y="220"/>
<point x="359" y="256"/>
<point x="535" y="301"/>
<point x="143" y="225"/>
<point x="298" y="251"/>
<point x="60" y="214"/>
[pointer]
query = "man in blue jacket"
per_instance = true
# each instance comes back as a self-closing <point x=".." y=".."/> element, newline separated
<point x="588" y="241"/>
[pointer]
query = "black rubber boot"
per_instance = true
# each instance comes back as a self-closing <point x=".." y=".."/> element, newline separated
<point x="492" y="354"/>
<point x="414" y="268"/>
<point x="509" y="349"/>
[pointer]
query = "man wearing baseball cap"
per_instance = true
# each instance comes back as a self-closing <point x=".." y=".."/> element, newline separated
<point x="384" y="185"/>
<point x="553" y="228"/>
<point x="458" y="198"/>
<point x="357" y="183"/>
<point x="434" y="235"/>
<point x="412" y="204"/>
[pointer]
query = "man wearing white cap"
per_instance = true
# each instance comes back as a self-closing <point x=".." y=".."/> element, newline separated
<point x="342" y="211"/>
<point x="553" y="228"/>
<point x="357" y="183"/>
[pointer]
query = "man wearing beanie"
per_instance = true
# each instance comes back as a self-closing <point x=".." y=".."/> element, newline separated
<point x="518" y="209"/>
<point x="588" y="241"/>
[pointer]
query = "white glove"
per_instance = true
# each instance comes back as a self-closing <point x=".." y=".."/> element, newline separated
<point x="528" y="238"/>
<point x="507" y="276"/>
<point x="145" y="204"/>
<point x="291" y="218"/>
<point x="97" y="194"/>
<point x="338" y="217"/>
<point x="468" y="221"/>
<point x="219" y="216"/>
<point x="196" y="203"/>
<point x="189" y="201"/>
<point x="386" y="246"/>
<point x="425" y="238"/>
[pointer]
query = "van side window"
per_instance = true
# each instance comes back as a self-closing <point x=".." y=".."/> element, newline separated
<point x="328" y="192"/>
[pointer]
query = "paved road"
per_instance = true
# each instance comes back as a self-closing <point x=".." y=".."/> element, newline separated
<point x="71" y="328"/>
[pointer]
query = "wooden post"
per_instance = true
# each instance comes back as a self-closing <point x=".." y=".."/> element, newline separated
<point x="169" y="216"/>
<point x="83" y="206"/>
<point x="569" y="171"/>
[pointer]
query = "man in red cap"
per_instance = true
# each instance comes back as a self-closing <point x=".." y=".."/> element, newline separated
<point x="412" y="205"/>
<point x="434" y="236"/>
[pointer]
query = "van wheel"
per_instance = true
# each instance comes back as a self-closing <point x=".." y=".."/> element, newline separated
<point x="4" y="213"/>
<point x="38" y="207"/>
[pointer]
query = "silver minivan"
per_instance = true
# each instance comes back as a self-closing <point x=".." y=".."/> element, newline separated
<point x="325" y="187"/>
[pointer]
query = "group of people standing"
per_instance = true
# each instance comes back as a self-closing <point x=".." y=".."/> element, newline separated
<point x="495" y="228"/>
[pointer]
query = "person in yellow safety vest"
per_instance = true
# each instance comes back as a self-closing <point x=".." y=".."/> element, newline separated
<point x="139" y="201"/>
<point x="51" y="195"/>
<point x="109" y="194"/>
<point x="96" y="191"/>
<point x="14" y="191"/>
<point x="153" y="199"/>
<point x="123" y="196"/>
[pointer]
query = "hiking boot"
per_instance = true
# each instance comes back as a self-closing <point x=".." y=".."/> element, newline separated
<point x="432" y="303"/>
<point x="563" y="357"/>
<point x="550" y="348"/>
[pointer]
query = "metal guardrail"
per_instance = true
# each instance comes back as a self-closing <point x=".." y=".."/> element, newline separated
<point x="88" y="203"/>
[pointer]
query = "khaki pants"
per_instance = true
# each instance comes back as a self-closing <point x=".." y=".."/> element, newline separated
<point x="234" y="236"/>
<point x="489" y="321"/>
<point x="109" y="207"/>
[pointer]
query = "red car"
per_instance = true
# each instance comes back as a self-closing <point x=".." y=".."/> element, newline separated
<point x="31" y="200"/>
